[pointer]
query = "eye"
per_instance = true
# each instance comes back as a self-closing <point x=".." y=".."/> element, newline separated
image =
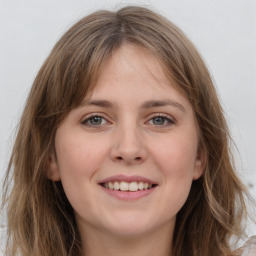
<point x="94" y="120"/>
<point x="161" y="121"/>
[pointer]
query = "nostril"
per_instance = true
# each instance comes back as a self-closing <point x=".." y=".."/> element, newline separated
<point x="119" y="158"/>
<point x="138" y="158"/>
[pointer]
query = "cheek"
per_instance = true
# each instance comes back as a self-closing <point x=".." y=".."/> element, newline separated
<point x="176" y="156"/>
<point x="78" y="159"/>
<point x="175" y="159"/>
<point x="72" y="156"/>
<point x="78" y="155"/>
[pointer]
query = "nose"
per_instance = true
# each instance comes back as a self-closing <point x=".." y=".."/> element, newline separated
<point x="128" y="146"/>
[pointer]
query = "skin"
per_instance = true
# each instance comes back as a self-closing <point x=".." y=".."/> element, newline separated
<point x="131" y="138"/>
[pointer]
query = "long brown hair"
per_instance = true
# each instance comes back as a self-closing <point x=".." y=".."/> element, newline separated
<point x="40" y="218"/>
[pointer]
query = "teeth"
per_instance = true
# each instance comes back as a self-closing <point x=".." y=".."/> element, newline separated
<point x="133" y="186"/>
<point x="126" y="186"/>
<point x="116" y="185"/>
<point x="110" y="185"/>
<point x="141" y="185"/>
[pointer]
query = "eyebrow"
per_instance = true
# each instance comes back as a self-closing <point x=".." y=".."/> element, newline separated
<point x="99" y="103"/>
<point x="162" y="103"/>
<point x="145" y="105"/>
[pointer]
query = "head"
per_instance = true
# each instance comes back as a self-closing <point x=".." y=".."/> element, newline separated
<point x="69" y="74"/>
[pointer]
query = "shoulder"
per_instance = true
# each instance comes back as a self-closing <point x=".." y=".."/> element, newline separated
<point x="249" y="249"/>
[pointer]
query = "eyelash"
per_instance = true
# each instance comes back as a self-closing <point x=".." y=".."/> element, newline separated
<point x="90" y="117"/>
<point x="167" y="120"/>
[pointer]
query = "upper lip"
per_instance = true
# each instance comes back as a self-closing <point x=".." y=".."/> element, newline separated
<point x="126" y="178"/>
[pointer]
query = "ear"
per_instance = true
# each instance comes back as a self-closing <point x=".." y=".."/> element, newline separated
<point x="52" y="172"/>
<point x="200" y="163"/>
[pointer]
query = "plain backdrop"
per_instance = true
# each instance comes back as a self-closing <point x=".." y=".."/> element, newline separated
<point x="224" y="31"/>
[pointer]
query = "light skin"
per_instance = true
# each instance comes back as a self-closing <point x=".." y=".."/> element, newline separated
<point x="134" y="123"/>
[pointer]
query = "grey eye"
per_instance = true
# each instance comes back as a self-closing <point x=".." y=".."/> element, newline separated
<point x="159" y="120"/>
<point x="95" y="120"/>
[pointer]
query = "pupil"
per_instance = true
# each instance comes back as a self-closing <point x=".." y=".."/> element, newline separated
<point x="96" y="120"/>
<point x="158" y="120"/>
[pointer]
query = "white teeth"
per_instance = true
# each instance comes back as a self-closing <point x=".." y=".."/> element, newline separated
<point x="126" y="186"/>
<point x="145" y="185"/>
<point x="133" y="186"/>
<point x="116" y="185"/>
<point x="141" y="185"/>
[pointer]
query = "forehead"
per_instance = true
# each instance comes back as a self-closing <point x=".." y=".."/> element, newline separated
<point x="138" y="61"/>
<point x="130" y="59"/>
<point x="134" y="74"/>
<point x="130" y="64"/>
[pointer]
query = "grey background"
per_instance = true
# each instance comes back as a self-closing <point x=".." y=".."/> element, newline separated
<point x="224" y="31"/>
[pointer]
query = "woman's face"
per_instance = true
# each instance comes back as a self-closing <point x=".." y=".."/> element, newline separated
<point x="128" y="154"/>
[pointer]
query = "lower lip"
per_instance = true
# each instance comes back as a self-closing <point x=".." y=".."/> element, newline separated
<point x="128" y="195"/>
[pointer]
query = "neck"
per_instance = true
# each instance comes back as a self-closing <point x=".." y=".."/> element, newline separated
<point x="98" y="243"/>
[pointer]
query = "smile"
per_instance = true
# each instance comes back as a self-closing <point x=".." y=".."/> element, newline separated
<point x="127" y="186"/>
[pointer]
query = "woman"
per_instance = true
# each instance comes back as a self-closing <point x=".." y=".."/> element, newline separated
<point x="123" y="148"/>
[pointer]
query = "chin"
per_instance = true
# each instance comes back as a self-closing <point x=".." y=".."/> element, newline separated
<point x="131" y="231"/>
<point x="131" y="225"/>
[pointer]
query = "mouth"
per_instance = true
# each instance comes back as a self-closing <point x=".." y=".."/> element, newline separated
<point x="128" y="186"/>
